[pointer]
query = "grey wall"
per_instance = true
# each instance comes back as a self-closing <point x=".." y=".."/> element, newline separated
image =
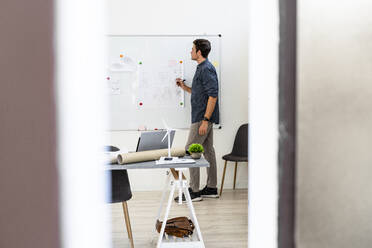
<point x="334" y="187"/>
<point x="28" y="172"/>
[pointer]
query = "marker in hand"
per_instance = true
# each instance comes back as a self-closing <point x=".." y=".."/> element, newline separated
<point x="179" y="81"/>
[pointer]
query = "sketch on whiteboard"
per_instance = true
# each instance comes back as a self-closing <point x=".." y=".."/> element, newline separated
<point x="157" y="87"/>
<point x="124" y="64"/>
<point x="114" y="87"/>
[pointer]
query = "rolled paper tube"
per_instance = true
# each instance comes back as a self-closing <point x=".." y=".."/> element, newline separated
<point x="111" y="157"/>
<point x="127" y="158"/>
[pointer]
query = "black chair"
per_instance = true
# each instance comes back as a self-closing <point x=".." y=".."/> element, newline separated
<point x="121" y="192"/>
<point x="239" y="152"/>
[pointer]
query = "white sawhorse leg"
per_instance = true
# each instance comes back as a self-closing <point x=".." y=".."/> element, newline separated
<point x="166" y="215"/>
<point x="182" y="185"/>
<point x="163" y="194"/>
<point x="192" y="214"/>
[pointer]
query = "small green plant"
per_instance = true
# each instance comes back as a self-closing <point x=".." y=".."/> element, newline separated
<point x="196" y="148"/>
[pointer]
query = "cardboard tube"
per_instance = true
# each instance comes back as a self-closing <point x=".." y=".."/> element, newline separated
<point x="111" y="157"/>
<point x="127" y="158"/>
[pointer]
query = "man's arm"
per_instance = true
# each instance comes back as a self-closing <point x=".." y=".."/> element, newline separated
<point x="208" y="113"/>
<point x="181" y="84"/>
<point x="210" y="106"/>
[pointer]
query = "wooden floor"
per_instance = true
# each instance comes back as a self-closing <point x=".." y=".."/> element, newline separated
<point x="223" y="222"/>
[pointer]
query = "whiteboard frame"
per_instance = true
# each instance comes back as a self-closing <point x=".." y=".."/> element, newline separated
<point x="215" y="126"/>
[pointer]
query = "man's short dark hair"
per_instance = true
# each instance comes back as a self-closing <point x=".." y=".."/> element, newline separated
<point x="204" y="46"/>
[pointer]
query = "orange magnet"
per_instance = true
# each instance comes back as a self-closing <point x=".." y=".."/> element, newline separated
<point x="121" y="56"/>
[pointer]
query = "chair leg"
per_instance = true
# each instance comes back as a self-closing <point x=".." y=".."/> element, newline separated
<point x="236" y="166"/>
<point x="127" y="223"/>
<point x="223" y="177"/>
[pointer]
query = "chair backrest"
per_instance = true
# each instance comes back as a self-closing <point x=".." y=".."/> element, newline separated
<point x="120" y="185"/>
<point x="240" y="147"/>
<point x="111" y="149"/>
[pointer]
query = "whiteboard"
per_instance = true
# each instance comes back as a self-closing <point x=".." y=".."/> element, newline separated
<point x="141" y="72"/>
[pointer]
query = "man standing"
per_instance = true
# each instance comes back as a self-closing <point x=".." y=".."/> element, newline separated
<point x="204" y="112"/>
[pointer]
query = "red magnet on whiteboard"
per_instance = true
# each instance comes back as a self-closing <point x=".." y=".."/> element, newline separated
<point x="140" y="103"/>
<point x="108" y="78"/>
<point x="155" y="129"/>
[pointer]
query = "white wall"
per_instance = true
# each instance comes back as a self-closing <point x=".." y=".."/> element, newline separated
<point x="194" y="17"/>
<point x="334" y="188"/>
<point x="263" y="114"/>
<point x="81" y="121"/>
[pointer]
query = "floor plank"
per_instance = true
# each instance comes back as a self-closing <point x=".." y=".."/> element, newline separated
<point x="223" y="222"/>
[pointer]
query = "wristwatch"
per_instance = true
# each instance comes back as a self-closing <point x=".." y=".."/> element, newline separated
<point x="206" y="119"/>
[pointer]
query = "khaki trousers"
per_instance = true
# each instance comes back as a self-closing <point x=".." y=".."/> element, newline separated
<point x="209" y="154"/>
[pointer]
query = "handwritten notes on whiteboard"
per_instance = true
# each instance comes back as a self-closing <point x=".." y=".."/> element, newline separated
<point x="157" y="86"/>
<point x="152" y="85"/>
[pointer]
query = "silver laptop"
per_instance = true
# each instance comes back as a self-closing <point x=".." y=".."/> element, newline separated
<point x="152" y="140"/>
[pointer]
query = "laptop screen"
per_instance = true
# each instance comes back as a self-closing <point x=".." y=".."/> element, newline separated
<point x="152" y="140"/>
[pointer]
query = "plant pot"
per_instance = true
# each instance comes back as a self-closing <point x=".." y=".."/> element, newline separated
<point x="196" y="155"/>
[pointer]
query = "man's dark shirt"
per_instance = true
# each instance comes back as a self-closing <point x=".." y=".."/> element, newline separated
<point x="204" y="85"/>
